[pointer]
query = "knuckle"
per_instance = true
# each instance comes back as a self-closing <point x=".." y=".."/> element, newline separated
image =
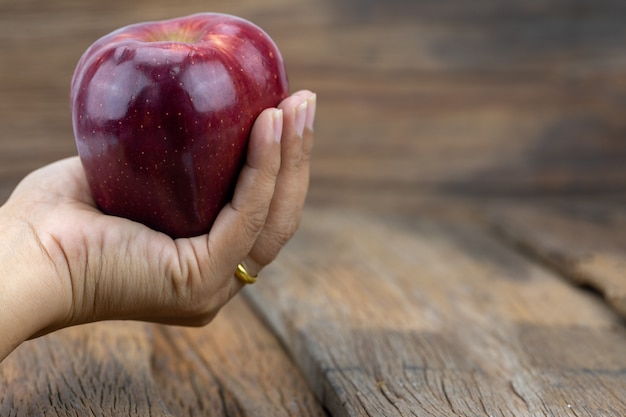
<point x="267" y="172"/>
<point x="307" y="152"/>
<point x="201" y="311"/>
<point x="282" y="237"/>
<point x="255" y="220"/>
<point x="295" y="162"/>
<point x="284" y="234"/>
<point x="274" y="241"/>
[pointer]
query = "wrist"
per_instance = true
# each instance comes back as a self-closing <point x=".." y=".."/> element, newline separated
<point x="30" y="290"/>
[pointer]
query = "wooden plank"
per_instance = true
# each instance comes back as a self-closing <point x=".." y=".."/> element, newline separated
<point x="233" y="367"/>
<point x="403" y="316"/>
<point x="101" y="369"/>
<point x="584" y="242"/>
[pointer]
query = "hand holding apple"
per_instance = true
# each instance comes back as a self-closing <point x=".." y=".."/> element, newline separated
<point x="63" y="262"/>
<point x="162" y="112"/>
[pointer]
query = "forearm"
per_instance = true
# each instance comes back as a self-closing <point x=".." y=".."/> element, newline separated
<point x="27" y="288"/>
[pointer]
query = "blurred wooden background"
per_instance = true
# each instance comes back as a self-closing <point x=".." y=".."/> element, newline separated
<point x="505" y="116"/>
<point x="487" y="98"/>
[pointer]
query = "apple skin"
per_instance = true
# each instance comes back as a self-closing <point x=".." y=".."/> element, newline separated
<point x="162" y="112"/>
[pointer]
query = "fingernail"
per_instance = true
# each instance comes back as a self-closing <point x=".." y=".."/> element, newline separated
<point x="277" y="118"/>
<point x="301" y="112"/>
<point x="310" y="111"/>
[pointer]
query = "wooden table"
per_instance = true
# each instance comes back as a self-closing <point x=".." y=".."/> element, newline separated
<point x="463" y="250"/>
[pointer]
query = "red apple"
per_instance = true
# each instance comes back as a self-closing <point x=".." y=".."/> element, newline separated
<point x="162" y="112"/>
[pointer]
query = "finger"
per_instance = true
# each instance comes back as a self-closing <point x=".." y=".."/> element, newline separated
<point x="292" y="182"/>
<point x="307" y="150"/>
<point x="305" y="133"/>
<point x="239" y="223"/>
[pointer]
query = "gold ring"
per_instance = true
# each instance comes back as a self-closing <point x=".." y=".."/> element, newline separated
<point x="244" y="275"/>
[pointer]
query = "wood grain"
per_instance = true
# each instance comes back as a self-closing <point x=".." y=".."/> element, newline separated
<point x="101" y="369"/>
<point x="409" y="317"/>
<point x="584" y="242"/>
<point x="234" y="367"/>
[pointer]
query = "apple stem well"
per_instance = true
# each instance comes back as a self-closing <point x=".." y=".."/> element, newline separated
<point x="177" y="35"/>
